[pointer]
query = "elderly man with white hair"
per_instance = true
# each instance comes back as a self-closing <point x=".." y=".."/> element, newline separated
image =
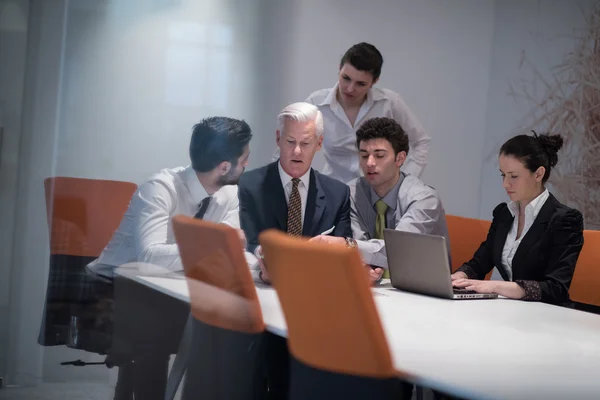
<point x="288" y="194"/>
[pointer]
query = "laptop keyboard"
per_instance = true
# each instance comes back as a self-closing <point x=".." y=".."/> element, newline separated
<point x="463" y="291"/>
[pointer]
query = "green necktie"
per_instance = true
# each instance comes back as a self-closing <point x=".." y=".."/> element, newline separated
<point x="381" y="208"/>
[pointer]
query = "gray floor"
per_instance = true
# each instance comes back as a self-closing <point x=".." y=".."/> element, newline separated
<point x="62" y="391"/>
<point x="74" y="391"/>
<point x="80" y="383"/>
<point x="70" y="383"/>
<point x="56" y="391"/>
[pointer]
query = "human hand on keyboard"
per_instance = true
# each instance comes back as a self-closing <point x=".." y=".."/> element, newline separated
<point x="458" y="275"/>
<point x="475" y="285"/>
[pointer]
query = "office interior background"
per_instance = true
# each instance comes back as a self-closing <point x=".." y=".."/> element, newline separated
<point x="110" y="89"/>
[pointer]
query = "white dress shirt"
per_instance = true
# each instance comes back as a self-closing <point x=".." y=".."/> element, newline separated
<point x="286" y="182"/>
<point x="339" y="138"/>
<point x="146" y="233"/>
<point x="512" y="243"/>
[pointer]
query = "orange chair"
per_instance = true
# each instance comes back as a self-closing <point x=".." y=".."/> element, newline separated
<point x="336" y="340"/>
<point x="585" y="286"/>
<point x="82" y="217"/>
<point x="466" y="235"/>
<point x="83" y="214"/>
<point x="224" y="350"/>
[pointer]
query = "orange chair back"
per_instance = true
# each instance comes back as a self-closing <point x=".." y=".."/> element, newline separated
<point x="83" y="214"/>
<point x="333" y="324"/>
<point x="466" y="235"/>
<point x="585" y="286"/>
<point x="222" y="292"/>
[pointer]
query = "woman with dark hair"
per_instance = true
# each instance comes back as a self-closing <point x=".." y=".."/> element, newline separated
<point x="534" y="240"/>
<point x="354" y="99"/>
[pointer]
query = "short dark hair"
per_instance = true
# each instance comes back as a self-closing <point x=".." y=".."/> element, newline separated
<point x="534" y="151"/>
<point x="384" y="128"/>
<point x="218" y="139"/>
<point x="364" y="57"/>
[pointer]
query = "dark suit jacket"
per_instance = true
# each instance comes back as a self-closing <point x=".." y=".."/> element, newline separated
<point x="544" y="262"/>
<point x="263" y="205"/>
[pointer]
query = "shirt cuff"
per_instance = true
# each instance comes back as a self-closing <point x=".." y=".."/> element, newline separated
<point x="467" y="270"/>
<point x="533" y="291"/>
<point x="372" y="253"/>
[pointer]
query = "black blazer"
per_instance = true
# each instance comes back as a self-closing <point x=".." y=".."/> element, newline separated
<point x="263" y="205"/>
<point x="543" y="264"/>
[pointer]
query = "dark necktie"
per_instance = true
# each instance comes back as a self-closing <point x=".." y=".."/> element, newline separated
<point x="294" y="222"/>
<point x="202" y="207"/>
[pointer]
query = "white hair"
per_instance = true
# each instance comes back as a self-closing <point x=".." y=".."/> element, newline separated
<point x="302" y="112"/>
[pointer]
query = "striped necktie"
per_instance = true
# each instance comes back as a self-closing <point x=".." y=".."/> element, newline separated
<point x="294" y="222"/>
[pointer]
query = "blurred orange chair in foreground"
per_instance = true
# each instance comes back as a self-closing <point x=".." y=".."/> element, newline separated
<point x="224" y="351"/>
<point x="335" y="336"/>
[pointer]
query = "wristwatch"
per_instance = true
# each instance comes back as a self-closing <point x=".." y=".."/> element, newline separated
<point x="350" y="243"/>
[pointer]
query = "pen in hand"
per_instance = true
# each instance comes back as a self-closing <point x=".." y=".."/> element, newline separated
<point x="328" y="231"/>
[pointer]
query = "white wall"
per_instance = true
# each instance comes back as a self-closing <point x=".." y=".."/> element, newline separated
<point x="29" y="267"/>
<point x="13" y="43"/>
<point x="542" y="31"/>
<point x="436" y="55"/>
<point x="139" y="74"/>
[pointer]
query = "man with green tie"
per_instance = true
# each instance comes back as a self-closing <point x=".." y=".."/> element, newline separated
<point x="384" y="197"/>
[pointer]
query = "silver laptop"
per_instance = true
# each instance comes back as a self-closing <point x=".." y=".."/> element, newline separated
<point x="419" y="263"/>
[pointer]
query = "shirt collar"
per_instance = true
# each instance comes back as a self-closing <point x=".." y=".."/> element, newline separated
<point x="196" y="189"/>
<point x="376" y="94"/>
<point x="391" y="198"/>
<point x="286" y="179"/>
<point x="373" y="95"/>
<point x="533" y="208"/>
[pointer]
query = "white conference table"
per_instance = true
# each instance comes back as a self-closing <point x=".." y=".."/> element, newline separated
<point x="485" y="349"/>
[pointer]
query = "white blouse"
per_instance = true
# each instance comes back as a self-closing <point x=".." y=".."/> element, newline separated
<point x="512" y="243"/>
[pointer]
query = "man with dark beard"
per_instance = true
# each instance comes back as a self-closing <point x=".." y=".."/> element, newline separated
<point x="207" y="189"/>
